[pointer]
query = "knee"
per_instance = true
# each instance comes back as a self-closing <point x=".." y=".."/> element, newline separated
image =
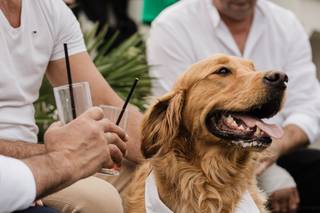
<point x="89" y="195"/>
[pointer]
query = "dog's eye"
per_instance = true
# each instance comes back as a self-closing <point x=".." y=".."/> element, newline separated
<point x="223" y="71"/>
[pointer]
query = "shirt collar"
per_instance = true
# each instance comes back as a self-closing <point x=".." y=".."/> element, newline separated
<point x="215" y="16"/>
<point x="223" y="34"/>
<point x="213" y="13"/>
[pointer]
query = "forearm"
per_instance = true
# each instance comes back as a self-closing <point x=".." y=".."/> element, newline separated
<point x="134" y="131"/>
<point x="293" y="138"/>
<point x="20" y="150"/>
<point x="52" y="172"/>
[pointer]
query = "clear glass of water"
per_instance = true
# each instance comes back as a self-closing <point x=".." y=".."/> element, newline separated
<point x="82" y="100"/>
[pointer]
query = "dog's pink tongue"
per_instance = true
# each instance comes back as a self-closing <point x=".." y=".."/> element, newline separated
<point x="272" y="130"/>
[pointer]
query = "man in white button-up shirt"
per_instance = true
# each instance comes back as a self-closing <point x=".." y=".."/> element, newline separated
<point x="275" y="40"/>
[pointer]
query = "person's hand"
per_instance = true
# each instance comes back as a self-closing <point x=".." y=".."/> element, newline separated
<point x="270" y="156"/>
<point x="115" y="142"/>
<point x="38" y="203"/>
<point x="85" y="143"/>
<point x="285" y="200"/>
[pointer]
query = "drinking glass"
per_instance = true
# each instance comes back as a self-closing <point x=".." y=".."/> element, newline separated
<point x="112" y="113"/>
<point x="82" y="100"/>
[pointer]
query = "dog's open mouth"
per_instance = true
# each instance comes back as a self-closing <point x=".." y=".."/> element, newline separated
<point x="246" y="128"/>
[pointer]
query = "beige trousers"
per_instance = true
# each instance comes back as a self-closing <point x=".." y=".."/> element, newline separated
<point x="96" y="194"/>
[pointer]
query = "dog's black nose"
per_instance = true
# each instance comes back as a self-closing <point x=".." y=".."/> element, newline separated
<point x="276" y="79"/>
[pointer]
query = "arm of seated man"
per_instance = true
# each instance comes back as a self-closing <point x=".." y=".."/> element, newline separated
<point x="294" y="137"/>
<point x="83" y="69"/>
<point x="76" y="150"/>
<point x="20" y="149"/>
<point x="283" y="198"/>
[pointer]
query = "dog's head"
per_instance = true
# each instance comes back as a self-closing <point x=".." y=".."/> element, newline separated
<point x="218" y="100"/>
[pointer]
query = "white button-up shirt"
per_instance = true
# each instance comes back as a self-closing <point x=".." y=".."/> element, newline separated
<point x="192" y="30"/>
<point x="17" y="185"/>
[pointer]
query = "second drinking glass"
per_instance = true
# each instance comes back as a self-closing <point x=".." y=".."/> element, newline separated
<point x="112" y="113"/>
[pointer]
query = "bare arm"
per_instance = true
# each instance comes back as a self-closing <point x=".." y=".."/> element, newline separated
<point x="83" y="69"/>
<point x="20" y="150"/>
<point x="294" y="137"/>
<point x="52" y="172"/>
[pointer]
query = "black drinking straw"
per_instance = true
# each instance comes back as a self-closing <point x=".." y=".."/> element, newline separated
<point x="74" y="114"/>
<point x="127" y="100"/>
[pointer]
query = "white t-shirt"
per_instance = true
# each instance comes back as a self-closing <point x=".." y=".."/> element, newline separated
<point x="24" y="55"/>
<point x="192" y="30"/>
<point x="17" y="185"/>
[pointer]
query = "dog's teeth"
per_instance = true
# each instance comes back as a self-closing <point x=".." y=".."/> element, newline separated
<point x="244" y="144"/>
<point x="257" y="132"/>
<point x="234" y="123"/>
<point x="231" y="121"/>
<point x="241" y="127"/>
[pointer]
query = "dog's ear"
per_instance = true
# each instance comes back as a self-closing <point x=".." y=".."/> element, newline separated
<point x="161" y="123"/>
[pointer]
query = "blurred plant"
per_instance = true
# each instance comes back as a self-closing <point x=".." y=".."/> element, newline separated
<point x="120" y="66"/>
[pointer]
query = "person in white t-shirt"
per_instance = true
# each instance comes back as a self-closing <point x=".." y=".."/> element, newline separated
<point x="32" y="33"/>
<point x="70" y="157"/>
<point x="274" y="39"/>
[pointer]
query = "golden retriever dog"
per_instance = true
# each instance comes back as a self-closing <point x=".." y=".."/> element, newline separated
<point x="202" y="140"/>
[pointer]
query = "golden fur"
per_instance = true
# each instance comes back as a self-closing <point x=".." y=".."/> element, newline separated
<point x="196" y="171"/>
